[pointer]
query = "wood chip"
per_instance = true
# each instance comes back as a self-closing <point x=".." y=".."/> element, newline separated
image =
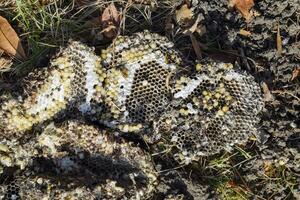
<point x="295" y="74"/>
<point x="267" y="94"/>
<point x="245" y="33"/>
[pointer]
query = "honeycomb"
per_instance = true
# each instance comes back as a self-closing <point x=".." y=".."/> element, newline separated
<point x="141" y="84"/>
<point x="14" y="153"/>
<point x="138" y="84"/>
<point x="79" y="161"/>
<point x="214" y="108"/>
<point x="70" y="80"/>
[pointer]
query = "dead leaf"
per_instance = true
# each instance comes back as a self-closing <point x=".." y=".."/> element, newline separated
<point x="243" y="6"/>
<point x="267" y="94"/>
<point x="184" y="14"/>
<point x="110" y="20"/>
<point x="9" y="41"/>
<point x="295" y="74"/>
<point x="196" y="47"/>
<point x="245" y="33"/>
<point x="278" y="41"/>
<point x="110" y="14"/>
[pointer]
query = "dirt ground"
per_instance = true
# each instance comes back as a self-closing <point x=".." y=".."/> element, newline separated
<point x="266" y="168"/>
<point x="277" y="154"/>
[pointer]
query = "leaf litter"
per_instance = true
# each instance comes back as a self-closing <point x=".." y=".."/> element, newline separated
<point x="243" y="6"/>
<point x="110" y="20"/>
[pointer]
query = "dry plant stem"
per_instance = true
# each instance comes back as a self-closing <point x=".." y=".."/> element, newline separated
<point x="196" y="46"/>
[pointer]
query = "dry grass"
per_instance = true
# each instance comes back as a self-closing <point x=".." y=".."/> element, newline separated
<point x="46" y="26"/>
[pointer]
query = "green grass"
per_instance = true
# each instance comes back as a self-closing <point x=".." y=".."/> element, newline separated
<point x="225" y="167"/>
<point x="224" y="173"/>
<point x="45" y="27"/>
<point x="37" y="26"/>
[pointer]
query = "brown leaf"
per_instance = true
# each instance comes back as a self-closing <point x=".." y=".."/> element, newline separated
<point x="243" y="6"/>
<point x="9" y="41"/>
<point x="110" y="14"/>
<point x="295" y="74"/>
<point x="110" y="20"/>
<point x="184" y="14"/>
<point x="278" y="41"/>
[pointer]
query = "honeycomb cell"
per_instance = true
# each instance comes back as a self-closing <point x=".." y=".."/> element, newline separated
<point x="143" y="85"/>
<point x="212" y="110"/>
<point x="69" y="81"/>
<point x="80" y="161"/>
<point x="139" y="78"/>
